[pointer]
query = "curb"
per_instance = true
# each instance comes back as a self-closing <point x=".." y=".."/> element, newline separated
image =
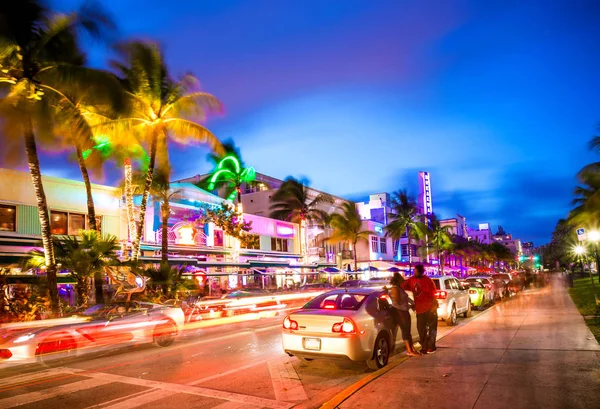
<point x="355" y="387"/>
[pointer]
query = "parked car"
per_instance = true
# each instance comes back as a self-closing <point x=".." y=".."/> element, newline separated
<point x="354" y="284"/>
<point x="498" y="286"/>
<point x="453" y="299"/>
<point x="478" y="294"/>
<point x="101" y="326"/>
<point x="487" y="284"/>
<point x="355" y="323"/>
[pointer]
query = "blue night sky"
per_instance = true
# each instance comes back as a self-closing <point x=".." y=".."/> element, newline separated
<point x="497" y="99"/>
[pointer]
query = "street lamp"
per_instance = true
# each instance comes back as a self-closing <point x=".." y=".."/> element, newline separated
<point x="580" y="251"/>
<point x="594" y="237"/>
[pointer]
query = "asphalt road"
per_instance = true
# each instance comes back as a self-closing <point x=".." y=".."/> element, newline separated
<point x="228" y="367"/>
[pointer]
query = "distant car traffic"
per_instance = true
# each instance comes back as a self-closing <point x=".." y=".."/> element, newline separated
<point x="354" y="284"/>
<point x="453" y="299"/>
<point x="479" y="294"/>
<point x="101" y="326"/>
<point x="316" y="287"/>
<point x="354" y="323"/>
<point x="497" y="286"/>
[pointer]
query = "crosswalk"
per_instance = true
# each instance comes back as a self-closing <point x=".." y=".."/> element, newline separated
<point x="59" y="387"/>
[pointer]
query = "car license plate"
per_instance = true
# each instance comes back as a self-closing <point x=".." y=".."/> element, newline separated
<point x="312" y="344"/>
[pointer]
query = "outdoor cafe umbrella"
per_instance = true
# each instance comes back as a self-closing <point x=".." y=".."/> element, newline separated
<point x="334" y="270"/>
<point x="394" y="270"/>
<point x="370" y="268"/>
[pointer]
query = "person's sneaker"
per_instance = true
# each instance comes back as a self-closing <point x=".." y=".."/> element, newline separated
<point x="431" y="351"/>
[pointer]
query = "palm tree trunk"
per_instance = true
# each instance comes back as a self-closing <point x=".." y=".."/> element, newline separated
<point x="355" y="255"/>
<point x="88" y="190"/>
<point x="82" y="291"/>
<point x="98" y="290"/>
<point x="164" y="247"/>
<point x="44" y="216"/>
<point x="145" y="194"/>
<point x="129" y="200"/>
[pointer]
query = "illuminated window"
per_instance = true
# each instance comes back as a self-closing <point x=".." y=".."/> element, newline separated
<point x="383" y="245"/>
<point x="279" y="244"/>
<point x="8" y="218"/>
<point x="374" y="244"/>
<point x="76" y="223"/>
<point x="59" y="222"/>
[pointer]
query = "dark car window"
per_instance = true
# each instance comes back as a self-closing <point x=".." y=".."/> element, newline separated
<point x="452" y="283"/>
<point x="437" y="283"/>
<point x="343" y="301"/>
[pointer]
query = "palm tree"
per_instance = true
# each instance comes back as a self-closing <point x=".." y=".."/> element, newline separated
<point x="231" y="173"/>
<point x="162" y="109"/>
<point x="347" y="226"/>
<point x="76" y="112"/>
<point x="39" y="53"/>
<point x="404" y="220"/>
<point x="441" y="242"/>
<point x="294" y="202"/>
<point x="161" y="192"/>
<point x="83" y="256"/>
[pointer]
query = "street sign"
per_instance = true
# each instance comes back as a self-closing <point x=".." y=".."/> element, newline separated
<point x="581" y="234"/>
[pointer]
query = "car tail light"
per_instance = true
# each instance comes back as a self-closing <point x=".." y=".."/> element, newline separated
<point x="472" y="292"/>
<point x="289" y="323"/>
<point x="5" y="354"/>
<point x="344" y="327"/>
<point x="441" y="295"/>
<point x="488" y="286"/>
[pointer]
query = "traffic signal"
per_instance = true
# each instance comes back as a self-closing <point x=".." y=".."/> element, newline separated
<point x="536" y="258"/>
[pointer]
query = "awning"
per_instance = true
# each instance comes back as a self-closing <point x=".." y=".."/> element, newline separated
<point x="173" y="261"/>
<point x="333" y="270"/>
<point x="268" y="263"/>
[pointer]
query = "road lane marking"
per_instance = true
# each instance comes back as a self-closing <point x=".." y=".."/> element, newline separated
<point x="119" y="399"/>
<point x="234" y="405"/>
<point x="232" y="371"/>
<point x="286" y="382"/>
<point x="29" y="377"/>
<point x="146" y="397"/>
<point x="53" y="392"/>
<point x="179" y="388"/>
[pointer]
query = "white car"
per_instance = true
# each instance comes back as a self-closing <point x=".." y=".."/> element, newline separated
<point x="453" y="299"/>
<point x="354" y="323"/>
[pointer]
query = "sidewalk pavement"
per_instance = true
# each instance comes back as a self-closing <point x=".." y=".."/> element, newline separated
<point x="533" y="351"/>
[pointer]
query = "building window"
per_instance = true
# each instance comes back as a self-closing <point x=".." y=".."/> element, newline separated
<point x="374" y="243"/>
<point x="8" y="218"/>
<point x="395" y="245"/>
<point x="76" y="223"/>
<point x="59" y="222"/>
<point x="278" y="244"/>
<point x="383" y="245"/>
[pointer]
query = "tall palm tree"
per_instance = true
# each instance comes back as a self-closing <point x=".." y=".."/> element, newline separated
<point x="404" y="220"/>
<point x="39" y="53"/>
<point x="347" y="227"/>
<point x="441" y="242"/>
<point x="161" y="191"/>
<point x="76" y="113"/>
<point x="162" y="109"/>
<point x="294" y="202"/>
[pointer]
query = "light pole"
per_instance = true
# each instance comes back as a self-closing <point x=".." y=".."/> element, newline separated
<point x="593" y="236"/>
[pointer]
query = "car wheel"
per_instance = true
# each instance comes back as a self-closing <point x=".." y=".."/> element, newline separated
<point x="467" y="313"/>
<point x="381" y="353"/>
<point x="164" y="334"/>
<point x="55" y="350"/>
<point x="452" y="319"/>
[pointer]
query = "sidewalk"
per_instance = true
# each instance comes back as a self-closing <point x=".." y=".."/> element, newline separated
<point x="534" y="351"/>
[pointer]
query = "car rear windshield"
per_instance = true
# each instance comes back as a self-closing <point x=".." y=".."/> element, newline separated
<point x="437" y="283"/>
<point x="475" y="284"/>
<point x="339" y="301"/>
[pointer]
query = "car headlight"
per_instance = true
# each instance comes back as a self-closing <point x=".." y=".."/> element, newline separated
<point x="23" y="338"/>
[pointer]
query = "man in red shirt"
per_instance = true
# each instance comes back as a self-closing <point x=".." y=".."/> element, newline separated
<point x="423" y="289"/>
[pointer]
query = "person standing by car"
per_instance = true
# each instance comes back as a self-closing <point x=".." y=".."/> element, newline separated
<point x="401" y="304"/>
<point x="423" y="289"/>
